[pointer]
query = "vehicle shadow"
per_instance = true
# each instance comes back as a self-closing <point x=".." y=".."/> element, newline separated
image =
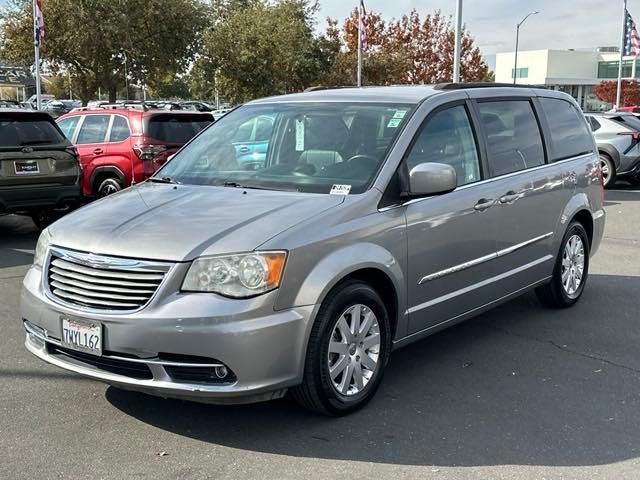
<point x="18" y="236"/>
<point x="518" y="385"/>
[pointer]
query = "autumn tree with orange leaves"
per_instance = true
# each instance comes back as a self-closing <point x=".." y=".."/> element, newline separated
<point x="410" y="50"/>
<point x="608" y="90"/>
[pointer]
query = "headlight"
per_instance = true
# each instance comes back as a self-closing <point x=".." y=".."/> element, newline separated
<point x="240" y="275"/>
<point x="41" y="247"/>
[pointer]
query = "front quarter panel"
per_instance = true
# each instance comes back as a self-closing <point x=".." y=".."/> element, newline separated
<point x="324" y="251"/>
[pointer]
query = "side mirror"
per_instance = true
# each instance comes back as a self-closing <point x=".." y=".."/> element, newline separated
<point x="427" y="179"/>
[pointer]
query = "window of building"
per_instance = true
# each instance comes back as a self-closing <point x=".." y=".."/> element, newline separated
<point x="448" y="138"/>
<point x="569" y="134"/>
<point x="607" y="70"/>
<point x="520" y="72"/>
<point x="514" y="141"/>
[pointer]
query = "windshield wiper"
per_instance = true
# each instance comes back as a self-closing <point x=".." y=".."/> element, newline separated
<point x="257" y="187"/>
<point x="163" y="180"/>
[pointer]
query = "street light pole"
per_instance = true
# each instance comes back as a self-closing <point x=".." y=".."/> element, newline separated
<point x="123" y="54"/>
<point x="515" y="65"/>
<point x="458" y="42"/>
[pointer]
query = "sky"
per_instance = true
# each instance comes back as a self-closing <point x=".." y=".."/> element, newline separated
<point x="561" y="24"/>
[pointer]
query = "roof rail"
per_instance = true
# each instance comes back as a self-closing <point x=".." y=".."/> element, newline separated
<point x="325" y="87"/>
<point x="114" y="106"/>
<point x="462" y="85"/>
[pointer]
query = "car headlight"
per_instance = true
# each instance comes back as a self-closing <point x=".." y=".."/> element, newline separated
<point x="241" y="275"/>
<point x="41" y="248"/>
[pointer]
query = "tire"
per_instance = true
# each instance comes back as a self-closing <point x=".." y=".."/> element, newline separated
<point x="334" y="395"/>
<point x="608" y="170"/>
<point x="556" y="294"/>
<point x="108" y="186"/>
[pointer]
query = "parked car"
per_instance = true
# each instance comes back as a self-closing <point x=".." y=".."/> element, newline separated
<point x="251" y="141"/>
<point x="379" y="216"/>
<point x="120" y="145"/>
<point x="44" y="99"/>
<point x="631" y="109"/>
<point x="56" y="108"/>
<point x="618" y="139"/>
<point x="9" y="104"/>
<point x="39" y="169"/>
<point x="198" y="105"/>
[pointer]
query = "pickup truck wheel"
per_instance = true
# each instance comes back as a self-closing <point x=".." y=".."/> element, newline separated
<point x="570" y="272"/>
<point x="108" y="186"/>
<point x="348" y="350"/>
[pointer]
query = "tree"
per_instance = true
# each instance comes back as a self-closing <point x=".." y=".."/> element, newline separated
<point x="409" y="50"/>
<point x="607" y="92"/>
<point x="158" y="37"/>
<point x="263" y="48"/>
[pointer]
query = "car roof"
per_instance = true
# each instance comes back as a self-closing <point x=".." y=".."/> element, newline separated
<point x="23" y="111"/>
<point x="611" y="114"/>
<point x="411" y="94"/>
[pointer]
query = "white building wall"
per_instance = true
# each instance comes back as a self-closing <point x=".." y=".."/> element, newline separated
<point x="535" y="60"/>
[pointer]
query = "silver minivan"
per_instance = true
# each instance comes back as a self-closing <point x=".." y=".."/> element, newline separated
<point x="377" y="216"/>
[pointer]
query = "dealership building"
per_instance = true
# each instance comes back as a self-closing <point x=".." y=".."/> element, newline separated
<point x="572" y="71"/>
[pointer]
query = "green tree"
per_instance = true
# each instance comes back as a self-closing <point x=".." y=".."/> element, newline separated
<point x="159" y="37"/>
<point x="263" y="48"/>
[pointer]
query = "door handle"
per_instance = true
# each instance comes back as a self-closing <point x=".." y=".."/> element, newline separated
<point x="244" y="149"/>
<point x="510" y="197"/>
<point x="97" y="151"/>
<point x="484" y="204"/>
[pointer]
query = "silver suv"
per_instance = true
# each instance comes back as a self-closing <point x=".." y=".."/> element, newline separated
<point x="618" y="138"/>
<point x="376" y="217"/>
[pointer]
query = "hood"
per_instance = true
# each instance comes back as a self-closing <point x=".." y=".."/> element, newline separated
<point x="180" y="223"/>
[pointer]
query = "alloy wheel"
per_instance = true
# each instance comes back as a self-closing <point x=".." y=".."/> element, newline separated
<point x="606" y="170"/>
<point x="354" y="350"/>
<point x="573" y="263"/>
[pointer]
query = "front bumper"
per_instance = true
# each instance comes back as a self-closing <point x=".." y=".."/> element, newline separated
<point x="15" y="199"/>
<point x="265" y="349"/>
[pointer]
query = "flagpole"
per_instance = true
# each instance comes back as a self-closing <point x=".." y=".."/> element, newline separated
<point x="622" y="43"/>
<point x="36" y="41"/>
<point x="360" y="44"/>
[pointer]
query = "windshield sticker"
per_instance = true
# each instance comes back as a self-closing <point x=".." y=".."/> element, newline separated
<point x="299" y="135"/>
<point x="340" y="190"/>
<point x="396" y="119"/>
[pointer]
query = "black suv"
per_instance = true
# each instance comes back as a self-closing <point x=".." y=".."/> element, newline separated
<point x="39" y="169"/>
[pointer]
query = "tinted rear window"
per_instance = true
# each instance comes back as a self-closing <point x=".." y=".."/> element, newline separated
<point x="570" y="136"/>
<point x="628" y="121"/>
<point x="173" y="128"/>
<point x="23" y="130"/>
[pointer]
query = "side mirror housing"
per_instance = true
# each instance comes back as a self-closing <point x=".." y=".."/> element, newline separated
<point x="426" y="179"/>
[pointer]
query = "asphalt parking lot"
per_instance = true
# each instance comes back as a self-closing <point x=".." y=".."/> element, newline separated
<point x="518" y="393"/>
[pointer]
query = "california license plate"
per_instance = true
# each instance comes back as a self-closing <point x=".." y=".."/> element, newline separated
<point x="26" y="168"/>
<point x="82" y="335"/>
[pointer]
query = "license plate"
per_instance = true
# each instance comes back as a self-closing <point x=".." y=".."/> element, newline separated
<point x="82" y="335"/>
<point x="26" y="168"/>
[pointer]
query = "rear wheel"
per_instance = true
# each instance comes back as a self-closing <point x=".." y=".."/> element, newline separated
<point x="108" y="186"/>
<point x="608" y="170"/>
<point x="348" y="350"/>
<point x="570" y="272"/>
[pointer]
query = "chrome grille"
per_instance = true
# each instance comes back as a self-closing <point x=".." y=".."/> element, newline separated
<point x="102" y="283"/>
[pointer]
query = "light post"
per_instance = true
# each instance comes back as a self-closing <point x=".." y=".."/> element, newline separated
<point x="123" y="55"/>
<point x="458" y="43"/>
<point x="515" y="66"/>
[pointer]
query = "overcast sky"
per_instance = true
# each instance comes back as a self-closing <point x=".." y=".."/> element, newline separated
<point x="560" y="24"/>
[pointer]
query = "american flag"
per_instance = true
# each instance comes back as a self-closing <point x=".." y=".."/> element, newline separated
<point x="362" y="25"/>
<point x="631" y="38"/>
<point x="38" y="21"/>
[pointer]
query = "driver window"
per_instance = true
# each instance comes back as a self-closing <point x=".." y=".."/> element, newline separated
<point x="447" y="138"/>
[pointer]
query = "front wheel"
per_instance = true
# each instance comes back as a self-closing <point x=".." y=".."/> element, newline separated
<point x="570" y="272"/>
<point x="348" y="350"/>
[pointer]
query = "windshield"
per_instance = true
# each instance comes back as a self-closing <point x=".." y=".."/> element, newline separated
<point x="308" y="147"/>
